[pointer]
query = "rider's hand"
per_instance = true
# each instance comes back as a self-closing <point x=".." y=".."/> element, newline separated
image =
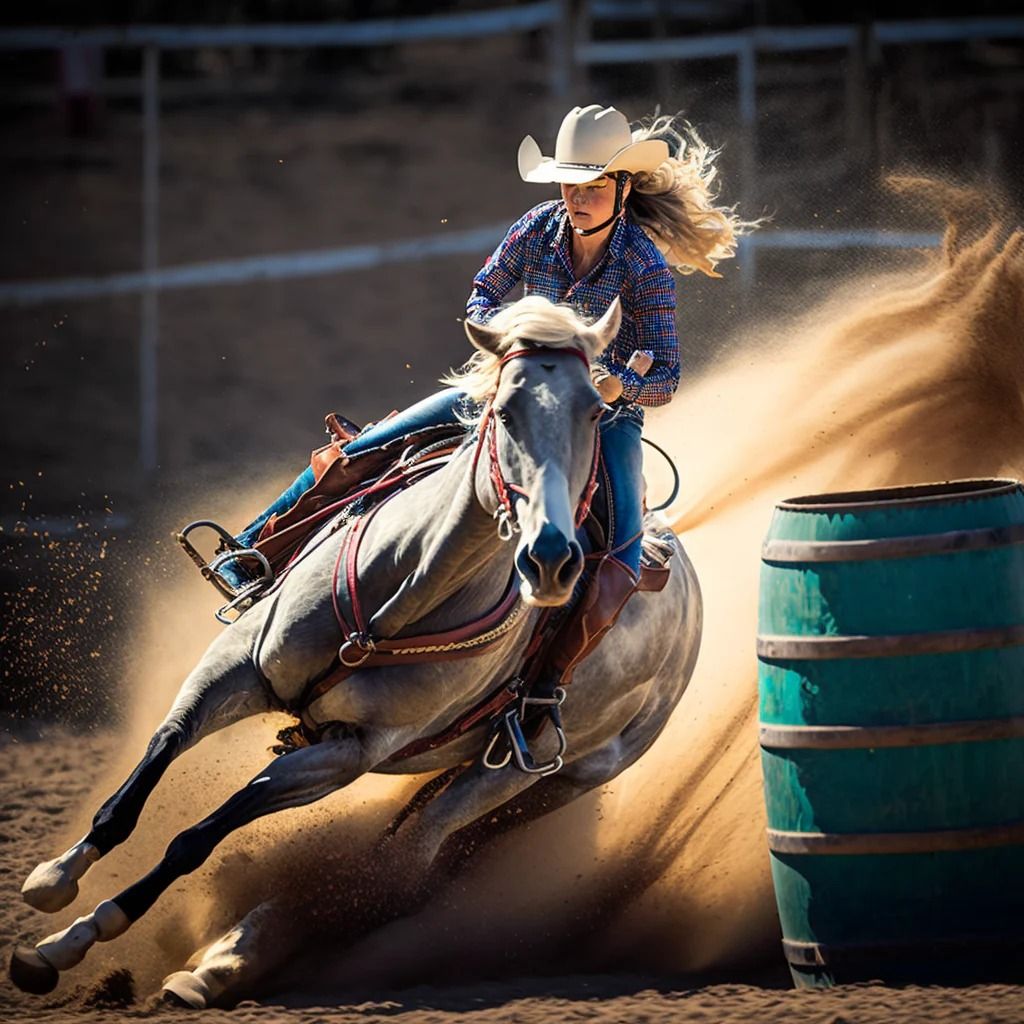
<point x="640" y="361"/>
<point x="609" y="387"/>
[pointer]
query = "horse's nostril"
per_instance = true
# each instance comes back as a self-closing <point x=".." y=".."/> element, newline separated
<point x="550" y="547"/>
<point x="571" y="567"/>
<point x="526" y="564"/>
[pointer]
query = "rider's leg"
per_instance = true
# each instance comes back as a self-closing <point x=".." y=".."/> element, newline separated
<point x="442" y="407"/>
<point x="624" y="478"/>
<point x="615" y="576"/>
<point x="299" y="486"/>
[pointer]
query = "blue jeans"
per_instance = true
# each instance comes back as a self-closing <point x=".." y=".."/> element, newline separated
<point x="620" y="445"/>
<point x="623" y="462"/>
<point x="438" y="408"/>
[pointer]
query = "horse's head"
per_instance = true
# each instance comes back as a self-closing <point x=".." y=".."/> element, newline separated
<point x="537" y="459"/>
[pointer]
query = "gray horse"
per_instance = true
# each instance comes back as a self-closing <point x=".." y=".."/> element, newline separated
<point x="418" y="574"/>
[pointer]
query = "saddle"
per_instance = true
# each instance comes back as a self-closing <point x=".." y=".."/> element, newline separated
<point x="340" y="478"/>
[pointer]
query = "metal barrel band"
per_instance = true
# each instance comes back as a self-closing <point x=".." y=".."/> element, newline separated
<point x="949" y="493"/>
<point x="866" y="843"/>
<point x="871" y="737"/>
<point x="824" y="954"/>
<point x="951" y="641"/>
<point x="917" y="546"/>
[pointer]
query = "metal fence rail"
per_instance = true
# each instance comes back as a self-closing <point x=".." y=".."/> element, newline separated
<point x="320" y="262"/>
<point x="311" y="263"/>
<point x="375" y="32"/>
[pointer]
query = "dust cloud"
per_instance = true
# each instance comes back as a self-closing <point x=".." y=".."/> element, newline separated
<point x="908" y="376"/>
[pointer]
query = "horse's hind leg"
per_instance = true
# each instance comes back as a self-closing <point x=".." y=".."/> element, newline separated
<point x="415" y="839"/>
<point x="477" y="824"/>
<point x="222" y="689"/>
<point x="238" y="961"/>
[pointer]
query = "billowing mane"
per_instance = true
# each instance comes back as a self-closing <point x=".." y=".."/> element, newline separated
<point x="532" y="319"/>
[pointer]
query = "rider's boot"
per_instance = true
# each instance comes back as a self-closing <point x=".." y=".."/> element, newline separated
<point x="611" y="584"/>
<point x="240" y="572"/>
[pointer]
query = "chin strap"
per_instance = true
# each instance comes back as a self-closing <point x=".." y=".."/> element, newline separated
<point x="621" y="177"/>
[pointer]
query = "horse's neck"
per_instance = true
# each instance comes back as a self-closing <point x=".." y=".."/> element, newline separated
<point x="431" y="549"/>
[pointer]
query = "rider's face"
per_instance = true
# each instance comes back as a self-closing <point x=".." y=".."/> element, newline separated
<point x="591" y="203"/>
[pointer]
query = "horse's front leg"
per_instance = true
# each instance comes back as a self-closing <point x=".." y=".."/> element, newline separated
<point x="222" y="689"/>
<point x="291" y="781"/>
<point x="473" y="793"/>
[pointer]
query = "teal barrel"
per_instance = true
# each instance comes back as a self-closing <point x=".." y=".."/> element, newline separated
<point x="891" y="682"/>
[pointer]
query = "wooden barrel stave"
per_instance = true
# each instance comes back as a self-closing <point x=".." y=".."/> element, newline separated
<point x="892" y="861"/>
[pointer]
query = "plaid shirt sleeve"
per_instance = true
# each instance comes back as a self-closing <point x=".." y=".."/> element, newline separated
<point x="503" y="270"/>
<point x="653" y="310"/>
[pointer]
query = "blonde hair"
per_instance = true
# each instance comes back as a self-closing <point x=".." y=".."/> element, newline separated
<point x="532" y="318"/>
<point x="675" y="204"/>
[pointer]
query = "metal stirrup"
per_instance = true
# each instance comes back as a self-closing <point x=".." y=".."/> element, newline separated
<point x="519" y="749"/>
<point x="250" y="590"/>
<point x="210" y="570"/>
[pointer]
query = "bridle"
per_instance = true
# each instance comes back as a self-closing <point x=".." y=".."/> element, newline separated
<point x="621" y="177"/>
<point x="505" y="513"/>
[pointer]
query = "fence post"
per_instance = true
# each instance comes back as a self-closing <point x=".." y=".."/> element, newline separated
<point x="561" y="50"/>
<point x="150" y="326"/>
<point x="858" y="103"/>
<point x="746" y="88"/>
<point x="582" y="33"/>
<point x="662" y="67"/>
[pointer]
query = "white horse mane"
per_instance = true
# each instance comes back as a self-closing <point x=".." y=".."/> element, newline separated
<point x="532" y="318"/>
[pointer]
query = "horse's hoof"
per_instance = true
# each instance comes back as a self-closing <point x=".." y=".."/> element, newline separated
<point x="31" y="973"/>
<point x="165" y="999"/>
<point x="183" y="988"/>
<point x="53" y="885"/>
<point x="42" y="891"/>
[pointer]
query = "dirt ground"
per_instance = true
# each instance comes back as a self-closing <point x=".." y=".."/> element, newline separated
<point x="45" y="777"/>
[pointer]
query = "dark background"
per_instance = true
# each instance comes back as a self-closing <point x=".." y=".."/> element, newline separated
<point x="267" y="151"/>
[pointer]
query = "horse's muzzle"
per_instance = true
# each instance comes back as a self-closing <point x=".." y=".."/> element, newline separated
<point x="549" y="567"/>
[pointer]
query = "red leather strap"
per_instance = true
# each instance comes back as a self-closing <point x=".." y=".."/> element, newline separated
<point x="488" y="435"/>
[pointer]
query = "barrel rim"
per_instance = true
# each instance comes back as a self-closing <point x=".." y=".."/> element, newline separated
<point x="905" y="495"/>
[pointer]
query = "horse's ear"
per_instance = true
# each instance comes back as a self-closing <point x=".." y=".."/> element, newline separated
<point x="483" y="337"/>
<point x="604" y="331"/>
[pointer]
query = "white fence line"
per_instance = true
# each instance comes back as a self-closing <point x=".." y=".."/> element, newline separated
<point x="310" y="263"/>
<point x="643" y="10"/>
<point x="529" y="17"/>
<point x="952" y="30"/>
<point x="320" y="262"/>
<point x="857" y="238"/>
<point x="376" y="32"/>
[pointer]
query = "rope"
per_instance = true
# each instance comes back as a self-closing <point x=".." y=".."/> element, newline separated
<point x="675" y="476"/>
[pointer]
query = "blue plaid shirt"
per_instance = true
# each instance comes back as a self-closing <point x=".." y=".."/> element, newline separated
<point x="537" y="251"/>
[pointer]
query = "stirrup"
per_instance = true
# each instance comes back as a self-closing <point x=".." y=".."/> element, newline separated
<point x="518" y="748"/>
<point x="239" y="598"/>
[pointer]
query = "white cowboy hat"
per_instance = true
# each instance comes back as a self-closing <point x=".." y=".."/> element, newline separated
<point x="592" y="141"/>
